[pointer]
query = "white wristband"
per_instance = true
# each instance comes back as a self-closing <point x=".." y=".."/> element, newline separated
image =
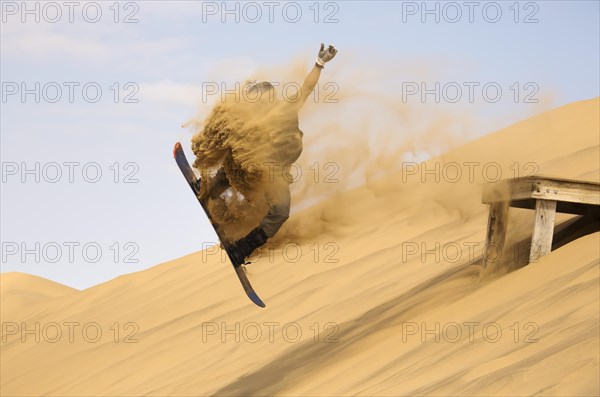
<point x="320" y="62"/>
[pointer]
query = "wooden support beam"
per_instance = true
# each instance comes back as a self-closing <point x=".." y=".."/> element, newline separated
<point x="496" y="233"/>
<point x="543" y="229"/>
<point x="567" y="190"/>
<point x="539" y="187"/>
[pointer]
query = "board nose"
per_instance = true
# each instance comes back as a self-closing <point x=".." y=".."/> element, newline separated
<point x="176" y="148"/>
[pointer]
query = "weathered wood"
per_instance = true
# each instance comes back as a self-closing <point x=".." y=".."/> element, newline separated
<point x="543" y="229"/>
<point x="547" y="196"/>
<point x="567" y="191"/>
<point x="539" y="187"/>
<point x="496" y="233"/>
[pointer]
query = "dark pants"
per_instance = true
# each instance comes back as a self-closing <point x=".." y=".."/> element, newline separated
<point x="277" y="194"/>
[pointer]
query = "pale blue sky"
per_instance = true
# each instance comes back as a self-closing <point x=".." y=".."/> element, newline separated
<point x="176" y="46"/>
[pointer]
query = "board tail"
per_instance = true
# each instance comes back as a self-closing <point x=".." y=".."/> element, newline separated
<point x="194" y="184"/>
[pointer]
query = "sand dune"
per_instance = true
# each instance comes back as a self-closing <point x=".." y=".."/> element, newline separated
<point x="19" y="292"/>
<point x="351" y="310"/>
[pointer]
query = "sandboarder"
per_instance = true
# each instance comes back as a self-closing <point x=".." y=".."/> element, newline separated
<point x="279" y="117"/>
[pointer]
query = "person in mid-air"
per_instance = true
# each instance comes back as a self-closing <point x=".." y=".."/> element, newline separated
<point x="276" y="144"/>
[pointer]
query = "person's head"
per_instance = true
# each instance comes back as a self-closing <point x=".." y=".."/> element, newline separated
<point x="261" y="92"/>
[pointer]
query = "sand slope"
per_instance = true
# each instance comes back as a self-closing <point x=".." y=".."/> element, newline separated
<point x="20" y="291"/>
<point x="350" y="310"/>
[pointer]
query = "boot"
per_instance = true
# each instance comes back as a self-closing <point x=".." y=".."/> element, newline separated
<point x="242" y="248"/>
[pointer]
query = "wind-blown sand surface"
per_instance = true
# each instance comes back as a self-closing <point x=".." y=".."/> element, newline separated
<point x="358" y="313"/>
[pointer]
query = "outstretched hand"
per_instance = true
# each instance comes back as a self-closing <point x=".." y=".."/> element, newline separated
<point x="326" y="55"/>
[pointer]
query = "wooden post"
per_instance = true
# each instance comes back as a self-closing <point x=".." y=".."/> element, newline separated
<point x="496" y="232"/>
<point x="543" y="229"/>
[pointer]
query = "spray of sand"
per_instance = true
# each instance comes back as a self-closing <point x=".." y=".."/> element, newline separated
<point x="358" y="131"/>
<point x="247" y="144"/>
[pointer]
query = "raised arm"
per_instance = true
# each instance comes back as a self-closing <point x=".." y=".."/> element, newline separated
<point x="325" y="55"/>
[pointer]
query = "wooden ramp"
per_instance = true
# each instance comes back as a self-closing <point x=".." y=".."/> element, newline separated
<point x="544" y="195"/>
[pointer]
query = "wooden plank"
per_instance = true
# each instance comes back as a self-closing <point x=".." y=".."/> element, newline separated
<point x="566" y="190"/>
<point x="521" y="189"/>
<point x="496" y="233"/>
<point x="510" y="189"/>
<point x="543" y="229"/>
<point x="551" y="178"/>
